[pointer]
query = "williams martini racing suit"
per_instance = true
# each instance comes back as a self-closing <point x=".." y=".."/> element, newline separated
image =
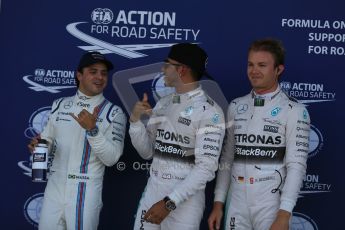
<point x="184" y="136"/>
<point x="72" y="198"/>
<point x="266" y="148"/>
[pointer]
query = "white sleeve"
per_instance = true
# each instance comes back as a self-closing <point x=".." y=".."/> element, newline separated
<point x="48" y="131"/>
<point x="297" y="147"/>
<point x="206" y="157"/>
<point x="108" y="145"/>
<point x="142" y="137"/>
<point x="226" y="159"/>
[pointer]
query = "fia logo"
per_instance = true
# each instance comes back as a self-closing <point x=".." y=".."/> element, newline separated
<point x="102" y="16"/>
<point x="285" y="85"/>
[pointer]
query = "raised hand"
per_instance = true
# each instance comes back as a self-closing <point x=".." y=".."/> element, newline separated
<point x="86" y="119"/>
<point x="140" y="108"/>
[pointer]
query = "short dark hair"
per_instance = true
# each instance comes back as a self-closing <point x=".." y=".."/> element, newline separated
<point x="76" y="77"/>
<point x="90" y="58"/>
<point x="271" y="45"/>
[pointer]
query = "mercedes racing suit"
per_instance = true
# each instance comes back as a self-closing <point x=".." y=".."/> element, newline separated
<point x="184" y="136"/>
<point x="263" y="159"/>
<point x="73" y="195"/>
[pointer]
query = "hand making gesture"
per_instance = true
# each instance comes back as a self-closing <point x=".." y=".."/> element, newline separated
<point x="140" y="108"/>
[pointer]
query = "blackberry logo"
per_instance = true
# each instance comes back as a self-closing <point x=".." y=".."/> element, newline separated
<point x="102" y="16"/>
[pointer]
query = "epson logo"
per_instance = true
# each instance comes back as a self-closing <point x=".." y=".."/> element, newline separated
<point x="40" y="72"/>
<point x="300" y="143"/>
<point x="272" y="129"/>
<point x="211" y="147"/>
<point x="102" y="16"/>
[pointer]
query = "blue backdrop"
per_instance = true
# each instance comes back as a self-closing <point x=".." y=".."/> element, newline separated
<point x="41" y="43"/>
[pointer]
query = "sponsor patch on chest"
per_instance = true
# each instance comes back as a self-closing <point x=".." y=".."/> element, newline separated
<point x="184" y="121"/>
<point x="271" y="128"/>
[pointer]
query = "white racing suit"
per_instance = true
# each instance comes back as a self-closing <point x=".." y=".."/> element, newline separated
<point x="184" y="137"/>
<point x="263" y="160"/>
<point x="73" y="196"/>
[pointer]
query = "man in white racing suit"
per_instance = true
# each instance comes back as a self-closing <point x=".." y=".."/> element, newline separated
<point x="86" y="133"/>
<point x="183" y="136"/>
<point x="264" y="156"/>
